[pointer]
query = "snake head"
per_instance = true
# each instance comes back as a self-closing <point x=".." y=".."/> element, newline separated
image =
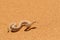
<point x="11" y="27"/>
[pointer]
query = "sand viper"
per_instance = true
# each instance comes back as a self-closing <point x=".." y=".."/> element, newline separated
<point x="14" y="28"/>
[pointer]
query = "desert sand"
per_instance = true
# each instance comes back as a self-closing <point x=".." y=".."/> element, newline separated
<point x="46" y="13"/>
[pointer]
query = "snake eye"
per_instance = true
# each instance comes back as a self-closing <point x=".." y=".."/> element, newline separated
<point x="8" y="30"/>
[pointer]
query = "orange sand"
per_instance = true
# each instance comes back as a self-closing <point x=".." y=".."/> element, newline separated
<point x="46" y="13"/>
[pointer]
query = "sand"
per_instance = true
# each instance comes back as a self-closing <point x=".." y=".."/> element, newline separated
<point x="46" y="13"/>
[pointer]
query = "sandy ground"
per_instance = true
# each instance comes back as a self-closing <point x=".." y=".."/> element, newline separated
<point x="46" y="13"/>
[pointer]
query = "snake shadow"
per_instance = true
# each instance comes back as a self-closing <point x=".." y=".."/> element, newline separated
<point x="26" y="30"/>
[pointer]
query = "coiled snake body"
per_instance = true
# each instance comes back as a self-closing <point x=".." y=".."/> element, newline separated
<point x="15" y="28"/>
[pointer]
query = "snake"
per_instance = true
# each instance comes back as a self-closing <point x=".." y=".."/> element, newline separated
<point x="14" y="28"/>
